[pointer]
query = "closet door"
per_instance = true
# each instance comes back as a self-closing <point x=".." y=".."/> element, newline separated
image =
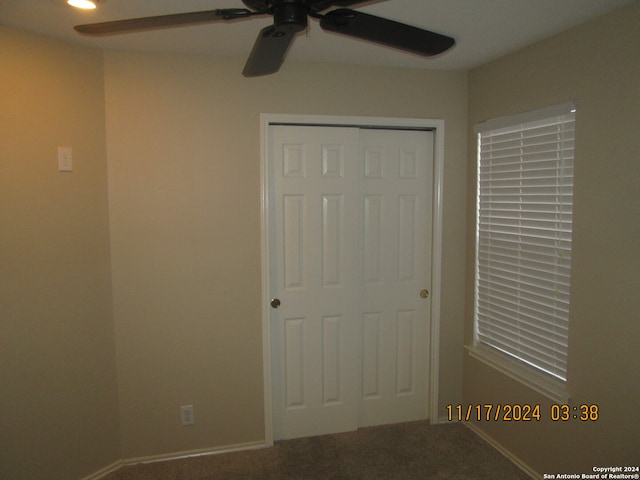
<point x="350" y="257"/>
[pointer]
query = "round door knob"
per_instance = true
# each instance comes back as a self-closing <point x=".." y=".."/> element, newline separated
<point x="275" y="302"/>
<point x="424" y="293"/>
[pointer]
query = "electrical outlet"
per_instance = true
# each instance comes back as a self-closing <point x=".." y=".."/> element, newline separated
<point x="65" y="159"/>
<point x="186" y="415"/>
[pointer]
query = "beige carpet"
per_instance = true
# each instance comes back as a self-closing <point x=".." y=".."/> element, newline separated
<point x="413" y="450"/>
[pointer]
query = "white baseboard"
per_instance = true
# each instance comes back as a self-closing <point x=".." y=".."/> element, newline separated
<point x="174" y="456"/>
<point x="195" y="453"/>
<point x="515" y="460"/>
<point x="104" y="471"/>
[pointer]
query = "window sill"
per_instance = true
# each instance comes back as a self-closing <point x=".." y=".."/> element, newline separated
<point x="554" y="390"/>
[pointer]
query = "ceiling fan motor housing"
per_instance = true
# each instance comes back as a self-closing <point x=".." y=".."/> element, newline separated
<point x="288" y="15"/>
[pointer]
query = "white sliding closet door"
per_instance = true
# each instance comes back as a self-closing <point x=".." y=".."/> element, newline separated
<point x="351" y="246"/>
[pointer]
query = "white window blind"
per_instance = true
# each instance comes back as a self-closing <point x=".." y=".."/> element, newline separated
<point x="524" y="225"/>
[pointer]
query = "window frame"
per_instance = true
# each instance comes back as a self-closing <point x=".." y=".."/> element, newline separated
<point x="552" y="385"/>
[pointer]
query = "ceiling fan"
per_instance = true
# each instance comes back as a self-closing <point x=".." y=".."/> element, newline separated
<point x="289" y="18"/>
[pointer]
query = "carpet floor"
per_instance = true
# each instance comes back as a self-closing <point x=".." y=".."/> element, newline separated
<point x="415" y="450"/>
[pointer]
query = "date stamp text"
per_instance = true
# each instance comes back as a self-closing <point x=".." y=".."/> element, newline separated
<point x="496" y="412"/>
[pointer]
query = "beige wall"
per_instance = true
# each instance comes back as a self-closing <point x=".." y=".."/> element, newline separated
<point x="597" y="66"/>
<point x="184" y="181"/>
<point x="58" y="401"/>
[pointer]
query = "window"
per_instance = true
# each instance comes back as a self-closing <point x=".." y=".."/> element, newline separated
<point x="523" y="245"/>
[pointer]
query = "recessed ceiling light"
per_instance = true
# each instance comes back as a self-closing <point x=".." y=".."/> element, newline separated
<point x="84" y="4"/>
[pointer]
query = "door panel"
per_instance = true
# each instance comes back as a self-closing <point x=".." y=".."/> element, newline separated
<point x="332" y="225"/>
<point x="349" y="258"/>
<point x="312" y="332"/>
<point x="294" y="361"/>
<point x="397" y="190"/>
<point x="293" y="240"/>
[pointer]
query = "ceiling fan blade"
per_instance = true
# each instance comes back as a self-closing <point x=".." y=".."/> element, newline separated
<point x="175" y="20"/>
<point x="268" y="52"/>
<point x="386" y="32"/>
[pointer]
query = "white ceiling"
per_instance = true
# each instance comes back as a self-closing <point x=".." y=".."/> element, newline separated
<point x="483" y="29"/>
